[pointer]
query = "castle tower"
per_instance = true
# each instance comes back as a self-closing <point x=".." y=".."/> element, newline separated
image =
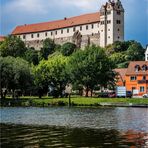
<point x="111" y="23"/>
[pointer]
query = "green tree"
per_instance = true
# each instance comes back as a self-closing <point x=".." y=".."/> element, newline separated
<point x="135" y="52"/>
<point x="91" y="67"/>
<point x="48" y="48"/>
<point x="15" y="74"/>
<point x="68" y="48"/>
<point x="52" y="72"/>
<point x="12" y="46"/>
<point x="31" y="55"/>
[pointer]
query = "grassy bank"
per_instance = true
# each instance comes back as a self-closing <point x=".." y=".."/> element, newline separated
<point x="75" y="101"/>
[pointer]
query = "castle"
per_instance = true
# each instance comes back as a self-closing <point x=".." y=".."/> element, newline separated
<point x="101" y="28"/>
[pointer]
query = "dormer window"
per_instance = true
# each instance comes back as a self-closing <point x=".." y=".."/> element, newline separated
<point x="144" y="68"/>
<point x="137" y="68"/>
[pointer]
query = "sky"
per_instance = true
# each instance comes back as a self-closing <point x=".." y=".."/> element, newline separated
<point x="20" y="12"/>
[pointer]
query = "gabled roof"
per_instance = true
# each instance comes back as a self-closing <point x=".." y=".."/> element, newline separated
<point x="2" y="38"/>
<point x="121" y="72"/>
<point x="131" y="68"/>
<point x="53" y="25"/>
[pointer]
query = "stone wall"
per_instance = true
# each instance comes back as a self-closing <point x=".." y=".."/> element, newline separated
<point x="85" y="41"/>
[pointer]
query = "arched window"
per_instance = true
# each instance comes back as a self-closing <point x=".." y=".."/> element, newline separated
<point x="137" y="68"/>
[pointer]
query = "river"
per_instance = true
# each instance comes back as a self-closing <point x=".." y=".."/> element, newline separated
<point x="73" y="127"/>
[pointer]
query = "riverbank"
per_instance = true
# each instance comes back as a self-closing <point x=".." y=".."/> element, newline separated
<point x="75" y="101"/>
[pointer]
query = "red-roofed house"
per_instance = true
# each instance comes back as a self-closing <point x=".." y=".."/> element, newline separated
<point x="135" y="77"/>
<point x="100" y="28"/>
<point x="2" y="38"/>
<point x="120" y="76"/>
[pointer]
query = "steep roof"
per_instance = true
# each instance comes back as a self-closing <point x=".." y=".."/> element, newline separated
<point x="66" y="22"/>
<point x="2" y="38"/>
<point x="131" y="68"/>
<point x="121" y="72"/>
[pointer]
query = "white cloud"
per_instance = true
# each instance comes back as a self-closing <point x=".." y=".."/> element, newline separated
<point x="43" y="6"/>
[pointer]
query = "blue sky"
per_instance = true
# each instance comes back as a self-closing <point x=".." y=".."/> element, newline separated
<point x="19" y="12"/>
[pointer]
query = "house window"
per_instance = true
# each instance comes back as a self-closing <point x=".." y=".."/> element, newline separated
<point x="51" y="33"/>
<point x="45" y="33"/>
<point x="80" y="28"/>
<point x="118" y="29"/>
<point x="142" y="89"/>
<point x="144" y="78"/>
<point x="61" y="31"/>
<point x="32" y="36"/>
<point x="118" y="37"/>
<point x="38" y="35"/>
<point x="56" y="32"/>
<point x="109" y="37"/>
<point x="133" y="78"/>
<point x="92" y="26"/>
<point x="67" y="30"/>
<point x="144" y="68"/>
<point x="86" y="27"/>
<point x="74" y="29"/>
<point x="24" y="36"/>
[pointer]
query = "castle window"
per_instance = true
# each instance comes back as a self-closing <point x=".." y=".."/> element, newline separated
<point x="102" y="22"/>
<point x="74" y="29"/>
<point x="51" y="33"/>
<point x="81" y="28"/>
<point x="118" y="29"/>
<point x="24" y="36"/>
<point x="118" y="22"/>
<point x="92" y="26"/>
<point x="108" y="21"/>
<point x="86" y="27"/>
<point x="118" y="37"/>
<point x="45" y="33"/>
<point x="109" y="37"/>
<point x="108" y="12"/>
<point x="108" y="29"/>
<point x="118" y="12"/>
<point x="32" y="36"/>
<point x="61" y="31"/>
<point x="67" y="30"/>
<point x="38" y="35"/>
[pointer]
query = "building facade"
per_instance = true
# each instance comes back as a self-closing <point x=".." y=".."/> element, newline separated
<point x="100" y="28"/>
<point x="135" y="77"/>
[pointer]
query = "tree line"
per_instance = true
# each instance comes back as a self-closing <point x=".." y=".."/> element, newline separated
<point x="53" y="67"/>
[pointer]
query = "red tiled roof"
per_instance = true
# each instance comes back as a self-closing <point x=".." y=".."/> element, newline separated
<point x="2" y="38"/>
<point x="68" y="22"/>
<point x="121" y="72"/>
<point x="131" y="68"/>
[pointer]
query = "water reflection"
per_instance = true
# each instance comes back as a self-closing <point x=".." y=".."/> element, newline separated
<point x="108" y="118"/>
<point x="13" y="136"/>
